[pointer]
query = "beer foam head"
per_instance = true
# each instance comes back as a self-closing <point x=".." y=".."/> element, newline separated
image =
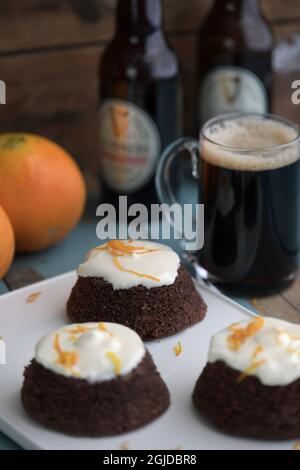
<point x="250" y="143"/>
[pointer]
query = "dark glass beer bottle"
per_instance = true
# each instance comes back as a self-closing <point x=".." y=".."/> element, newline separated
<point x="140" y="102"/>
<point x="235" y="60"/>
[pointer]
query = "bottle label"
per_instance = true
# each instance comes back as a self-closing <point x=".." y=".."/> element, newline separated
<point x="129" y="145"/>
<point x="231" y="89"/>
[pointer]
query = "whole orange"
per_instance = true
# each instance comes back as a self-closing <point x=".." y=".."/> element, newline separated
<point x="7" y="243"/>
<point x="41" y="189"/>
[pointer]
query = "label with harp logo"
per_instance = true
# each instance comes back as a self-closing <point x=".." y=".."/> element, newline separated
<point x="231" y="89"/>
<point x="129" y="145"/>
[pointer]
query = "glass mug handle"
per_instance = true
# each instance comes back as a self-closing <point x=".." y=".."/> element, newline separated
<point x="163" y="173"/>
<point x="166" y="194"/>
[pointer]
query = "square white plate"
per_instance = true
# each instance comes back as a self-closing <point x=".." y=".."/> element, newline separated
<point x="22" y="324"/>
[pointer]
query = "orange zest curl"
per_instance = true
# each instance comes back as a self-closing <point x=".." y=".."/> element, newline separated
<point x="118" y="248"/>
<point x="65" y="358"/>
<point x="249" y="370"/>
<point x="102" y="327"/>
<point x="233" y="327"/>
<point x="240" y="335"/>
<point x="259" y="349"/>
<point x="121" y="268"/>
<point x="77" y="330"/>
<point x="178" y="349"/>
<point x="115" y="360"/>
<point x="32" y="297"/>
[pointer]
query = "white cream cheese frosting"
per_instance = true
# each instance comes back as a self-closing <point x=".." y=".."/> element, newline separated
<point x="92" y="351"/>
<point x="266" y="348"/>
<point x="126" y="264"/>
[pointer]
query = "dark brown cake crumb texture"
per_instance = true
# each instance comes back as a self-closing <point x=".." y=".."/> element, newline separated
<point x="152" y="313"/>
<point x="77" y="407"/>
<point x="249" y="408"/>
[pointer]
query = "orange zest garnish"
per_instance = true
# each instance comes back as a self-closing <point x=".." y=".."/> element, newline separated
<point x="240" y="335"/>
<point x="65" y="358"/>
<point x="257" y="351"/>
<point x="115" y="360"/>
<point x="118" y="248"/>
<point x="78" y="330"/>
<point x="233" y="327"/>
<point x="121" y="268"/>
<point x="32" y="297"/>
<point x="254" y="302"/>
<point x="178" y="349"/>
<point x="249" y="370"/>
<point x="102" y="327"/>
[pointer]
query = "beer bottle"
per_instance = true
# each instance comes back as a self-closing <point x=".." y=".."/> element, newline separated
<point x="140" y="102"/>
<point x="235" y="60"/>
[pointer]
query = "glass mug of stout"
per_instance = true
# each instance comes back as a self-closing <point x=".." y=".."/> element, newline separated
<point x="247" y="167"/>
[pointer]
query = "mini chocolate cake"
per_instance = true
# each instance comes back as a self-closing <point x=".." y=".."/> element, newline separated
<point x="93" y="380"/>
<point x="251" y="384"/>
<point x="138" y="284"/>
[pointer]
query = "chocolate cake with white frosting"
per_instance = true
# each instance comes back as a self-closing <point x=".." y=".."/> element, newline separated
<point x="139" y="284"/>
<point x="251" y="384"/>
<point x="93" y="379"/>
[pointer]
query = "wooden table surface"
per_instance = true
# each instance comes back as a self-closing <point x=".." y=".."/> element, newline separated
<point x="69" y="253"/>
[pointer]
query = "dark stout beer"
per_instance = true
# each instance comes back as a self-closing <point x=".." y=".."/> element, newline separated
<point x="235" y="57"/>
<point x="140" y="111"/>
<point x="250" y="188"/>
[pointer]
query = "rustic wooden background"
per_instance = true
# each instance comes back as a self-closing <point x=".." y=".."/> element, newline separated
<point x="50" y="51"/>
